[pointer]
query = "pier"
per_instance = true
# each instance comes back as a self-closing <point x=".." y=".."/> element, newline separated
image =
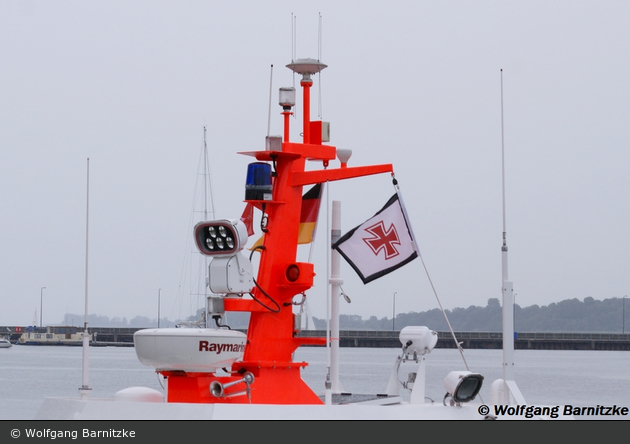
<point x="123" y="337"/>
<point x="489" y="340"/>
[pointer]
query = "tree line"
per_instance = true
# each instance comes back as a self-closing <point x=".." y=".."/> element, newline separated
<point x="568" y="316"/>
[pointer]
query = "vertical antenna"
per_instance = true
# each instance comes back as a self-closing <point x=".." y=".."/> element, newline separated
<point x="269" y="113"/>
<point x="510" y="389"/>
<point x="319" y="58"/>
<point x="292" y="37"/>
<point x="504" y="246"/>
<point x="85" y="388"/>
<point x="293" y="44"/>
<point x="319" y="39"/>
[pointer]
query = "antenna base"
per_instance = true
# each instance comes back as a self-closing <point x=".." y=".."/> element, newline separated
<point x="306" y="67"/>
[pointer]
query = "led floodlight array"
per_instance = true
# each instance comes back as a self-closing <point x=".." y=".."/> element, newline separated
<point x="229" y="272"/>
<point x="220" y="237"/>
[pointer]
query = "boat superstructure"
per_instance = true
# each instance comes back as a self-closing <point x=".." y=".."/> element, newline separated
<point x="274" y="186"/>
<point x="52" y="335"/>
<point x="219" y="373"/>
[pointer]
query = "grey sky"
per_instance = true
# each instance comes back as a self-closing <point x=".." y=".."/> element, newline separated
<point x="131" y="84"/>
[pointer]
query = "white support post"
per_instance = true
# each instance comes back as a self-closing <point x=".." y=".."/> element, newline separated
<point x="508" y="337"/>
<point x="335" y="282"/>
<point x="419" y="385"/>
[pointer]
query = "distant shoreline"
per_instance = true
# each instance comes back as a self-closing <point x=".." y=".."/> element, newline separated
<point x="123" y="337"/>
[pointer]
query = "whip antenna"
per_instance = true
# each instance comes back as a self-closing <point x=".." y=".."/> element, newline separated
<point x="319" y="39"/>
<point x="507" y="290"/>
<point x="269" y="113"/>
<point x="85" y="389"/>
<point x="319" y="58"/>
<point x="293" y="26"/>
<point x="504" y="247"/>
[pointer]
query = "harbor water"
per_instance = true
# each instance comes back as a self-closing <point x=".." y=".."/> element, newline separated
<point x="29" y="374"/>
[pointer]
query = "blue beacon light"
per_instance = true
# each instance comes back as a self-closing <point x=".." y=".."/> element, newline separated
<point x="258" y="182"/>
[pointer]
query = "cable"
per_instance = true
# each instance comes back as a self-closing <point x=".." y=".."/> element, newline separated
<point x="262" y="247"/>
<point x="268" y="297"/>
<point x="458" y="344"/>
<point x="219" y="325"/>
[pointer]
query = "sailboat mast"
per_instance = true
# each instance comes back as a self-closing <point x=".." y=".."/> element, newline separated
<point x="207" y="187"/>
<point x="205" y="215"/>
<point x="205" y="174"/>
<point x="207" y="180"/>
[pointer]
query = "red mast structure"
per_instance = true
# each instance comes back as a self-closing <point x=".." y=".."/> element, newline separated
<point x="272" y="334"/>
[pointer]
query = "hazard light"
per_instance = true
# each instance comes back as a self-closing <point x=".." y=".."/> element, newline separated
<point x="292" y="273"/>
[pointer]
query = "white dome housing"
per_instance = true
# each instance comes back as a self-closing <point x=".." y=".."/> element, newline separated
<point x="189" y="349"/>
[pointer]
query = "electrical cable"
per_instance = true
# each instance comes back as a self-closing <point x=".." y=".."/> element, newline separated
<point x="277" y="310"/>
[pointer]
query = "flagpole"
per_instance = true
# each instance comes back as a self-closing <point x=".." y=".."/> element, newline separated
<point x="335" y="284"/>
<point x="328" y="383"/>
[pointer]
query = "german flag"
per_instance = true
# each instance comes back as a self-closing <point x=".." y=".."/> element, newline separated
<point x="248" y="218"/>
<point x="308" y="216"/>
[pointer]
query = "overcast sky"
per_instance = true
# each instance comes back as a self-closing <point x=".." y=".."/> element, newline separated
<point x="131" y="85"/>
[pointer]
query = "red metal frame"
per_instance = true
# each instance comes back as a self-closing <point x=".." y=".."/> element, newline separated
<point x="271" y="338"/>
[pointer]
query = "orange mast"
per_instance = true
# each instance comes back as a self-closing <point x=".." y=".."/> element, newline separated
<point x="272" y="335"/>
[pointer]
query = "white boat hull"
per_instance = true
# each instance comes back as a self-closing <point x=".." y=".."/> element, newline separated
<point x="109" y="409"/>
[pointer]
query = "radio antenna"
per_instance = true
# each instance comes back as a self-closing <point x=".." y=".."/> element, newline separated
<point x="293" y="44"/>
<point x="293" y="26"/>
<point x="319" y="39"/>
<point x="504" y="248"/>
<point x="319" y="58"/>
<point x="269" y="113"/>
<point x="507" y="290"/>
<point x="85" y="389"/>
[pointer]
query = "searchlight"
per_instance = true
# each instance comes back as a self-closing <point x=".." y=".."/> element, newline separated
<point x="462" y="386"/>
<point x="230" y="271"/>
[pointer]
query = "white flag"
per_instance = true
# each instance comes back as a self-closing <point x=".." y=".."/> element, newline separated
<point x="381" y="244"/>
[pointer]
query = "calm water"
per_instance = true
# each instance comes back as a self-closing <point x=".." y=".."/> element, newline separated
<point x="28" y="374"/>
